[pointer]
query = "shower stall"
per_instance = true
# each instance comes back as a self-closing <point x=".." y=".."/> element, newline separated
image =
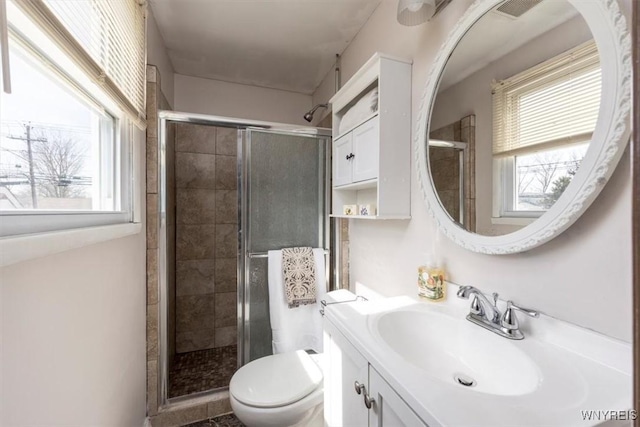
<point x="230" y="191"/>
<point x="452" y="166"/>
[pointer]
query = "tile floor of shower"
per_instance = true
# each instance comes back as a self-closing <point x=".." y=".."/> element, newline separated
<point x="202" y="370"/>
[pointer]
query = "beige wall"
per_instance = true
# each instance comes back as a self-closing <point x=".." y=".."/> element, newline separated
<point x="583" y="276"/>
<point x="157" y="55"/>
<point x="205" y="96"/>
<point x="73" y="336"/>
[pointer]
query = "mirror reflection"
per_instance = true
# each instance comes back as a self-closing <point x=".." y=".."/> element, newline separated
<point x="516" y="107"/>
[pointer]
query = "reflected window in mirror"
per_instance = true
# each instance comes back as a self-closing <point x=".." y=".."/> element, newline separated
<point x="543" y="121"/>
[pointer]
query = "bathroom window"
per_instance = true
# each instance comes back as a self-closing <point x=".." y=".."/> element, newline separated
<point x="65" y="137"/>
<point x="543" y="120"/>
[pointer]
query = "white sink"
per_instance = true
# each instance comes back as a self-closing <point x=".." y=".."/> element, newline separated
<point x="458" y="352"/>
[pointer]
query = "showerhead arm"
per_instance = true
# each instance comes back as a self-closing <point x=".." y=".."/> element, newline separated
<point x="309" y="114"/>
<point x="313" y="110"/>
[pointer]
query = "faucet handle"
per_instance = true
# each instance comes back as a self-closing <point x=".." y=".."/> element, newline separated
<point x="509" y="319"/>
<point x="476" y="306"/>
<point x="527" y="311"/>
<point x="495" y="299"/>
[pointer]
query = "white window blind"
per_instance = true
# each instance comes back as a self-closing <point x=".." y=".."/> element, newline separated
<point x="552" y="104"/>
<point x="106" y="38"/>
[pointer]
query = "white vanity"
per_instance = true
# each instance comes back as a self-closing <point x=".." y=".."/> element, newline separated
<point x="405" y="362"/>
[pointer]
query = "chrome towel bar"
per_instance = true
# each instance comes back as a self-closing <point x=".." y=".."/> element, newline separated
<point x="325" y="303"/>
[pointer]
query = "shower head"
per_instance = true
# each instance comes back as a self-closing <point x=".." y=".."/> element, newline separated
<point x="309" y="114"/>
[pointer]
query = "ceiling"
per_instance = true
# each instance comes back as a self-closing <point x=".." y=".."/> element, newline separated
<point x="495" y="35"/>
<point x="281" y="44"/>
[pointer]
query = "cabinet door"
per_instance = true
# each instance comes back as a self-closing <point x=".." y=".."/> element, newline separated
<point x="366" y="149"/>
<point x="389" y="410"/>
<point x="343" y="406"/>
<point x="342" y="160"/>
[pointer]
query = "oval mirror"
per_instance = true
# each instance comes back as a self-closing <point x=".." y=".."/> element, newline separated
<point x="524" y="118"/>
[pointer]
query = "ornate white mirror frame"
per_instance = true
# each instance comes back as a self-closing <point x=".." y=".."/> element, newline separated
<point x="611" y="135"/>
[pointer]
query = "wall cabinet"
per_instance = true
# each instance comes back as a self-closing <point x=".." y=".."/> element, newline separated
<point x="372" y="154"/>
<point x="355" y="394"/>
<point x="356" y="155"/>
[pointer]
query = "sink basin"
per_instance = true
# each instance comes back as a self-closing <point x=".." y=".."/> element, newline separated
<point x="458" y="352"/>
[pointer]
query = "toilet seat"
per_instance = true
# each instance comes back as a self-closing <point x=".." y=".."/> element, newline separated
<point x="276" y="381"/>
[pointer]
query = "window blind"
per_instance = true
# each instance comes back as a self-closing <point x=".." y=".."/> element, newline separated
<point x="554" y="103"/>
<point x="106" y="38"/>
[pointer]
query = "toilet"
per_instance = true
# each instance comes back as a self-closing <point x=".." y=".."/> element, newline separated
<point x="285" y="389"/>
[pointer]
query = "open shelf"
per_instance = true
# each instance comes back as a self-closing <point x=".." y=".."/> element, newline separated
<point x="372" y="216"/>
<point x="357" y="124"/>
<point x="372" y="183"/>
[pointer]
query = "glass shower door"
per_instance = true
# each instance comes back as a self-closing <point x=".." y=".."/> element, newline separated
<point x="284" y="203"/>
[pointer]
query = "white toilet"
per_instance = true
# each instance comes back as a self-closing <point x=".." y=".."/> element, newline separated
<point x="287" y="388"/>
<point x="281" y="390"/>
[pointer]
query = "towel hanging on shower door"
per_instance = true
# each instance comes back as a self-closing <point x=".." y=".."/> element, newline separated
<point x="295" y="328"/>
<point x="299" y="273"/>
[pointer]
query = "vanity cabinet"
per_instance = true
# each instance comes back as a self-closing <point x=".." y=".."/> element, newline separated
<point x="389" y="409"/>
<point x="372" y="149"/>
<point x="349" y="380"/>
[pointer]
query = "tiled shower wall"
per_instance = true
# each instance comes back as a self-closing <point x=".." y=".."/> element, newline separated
<point x="343" y="261"/>
<point x="218" y="403"/>
<point x="207" y="237"/>
<point x="155" y="101"/>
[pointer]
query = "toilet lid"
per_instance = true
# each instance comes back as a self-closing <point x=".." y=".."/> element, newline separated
<point x="276" y="380"/>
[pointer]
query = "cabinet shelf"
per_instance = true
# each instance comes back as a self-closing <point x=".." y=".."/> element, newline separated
<point x="355" y="126"/>
<point x="382" y="217"/>
<point x="372" y="183"/>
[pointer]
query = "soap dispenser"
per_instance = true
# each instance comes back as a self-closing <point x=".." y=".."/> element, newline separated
<point x="431" y="283"/>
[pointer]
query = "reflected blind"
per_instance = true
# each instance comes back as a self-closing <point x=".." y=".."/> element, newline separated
<point x="552" y="104"/>
<point x="106" y="38"/>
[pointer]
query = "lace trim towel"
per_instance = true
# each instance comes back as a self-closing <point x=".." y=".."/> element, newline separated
<point x="299" y="273"/>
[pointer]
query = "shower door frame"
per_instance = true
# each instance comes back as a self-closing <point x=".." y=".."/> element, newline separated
<point x="164" y="118"/>
<point x="244" y="235"/>
<point x="463" y="153"/>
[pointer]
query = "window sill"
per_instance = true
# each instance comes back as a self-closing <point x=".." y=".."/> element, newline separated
<point x="16" y="249"/>
<point x="512" y="220"/>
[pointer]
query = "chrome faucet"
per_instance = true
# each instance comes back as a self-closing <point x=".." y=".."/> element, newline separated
<point x="486" y="314"/>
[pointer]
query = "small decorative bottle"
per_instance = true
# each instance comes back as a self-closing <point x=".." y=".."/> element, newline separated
<point x="431" y="283"/>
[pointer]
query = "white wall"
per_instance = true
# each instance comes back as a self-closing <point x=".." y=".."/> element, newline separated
<point x="582" y="276"/>
<point x="205" y="96"/>
<point x="157" y="55"/>
<point x="73" y="336"/>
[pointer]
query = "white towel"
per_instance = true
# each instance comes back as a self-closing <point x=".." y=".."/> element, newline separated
<point x="297" y="328"/>
<point x="366" y="105"/>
